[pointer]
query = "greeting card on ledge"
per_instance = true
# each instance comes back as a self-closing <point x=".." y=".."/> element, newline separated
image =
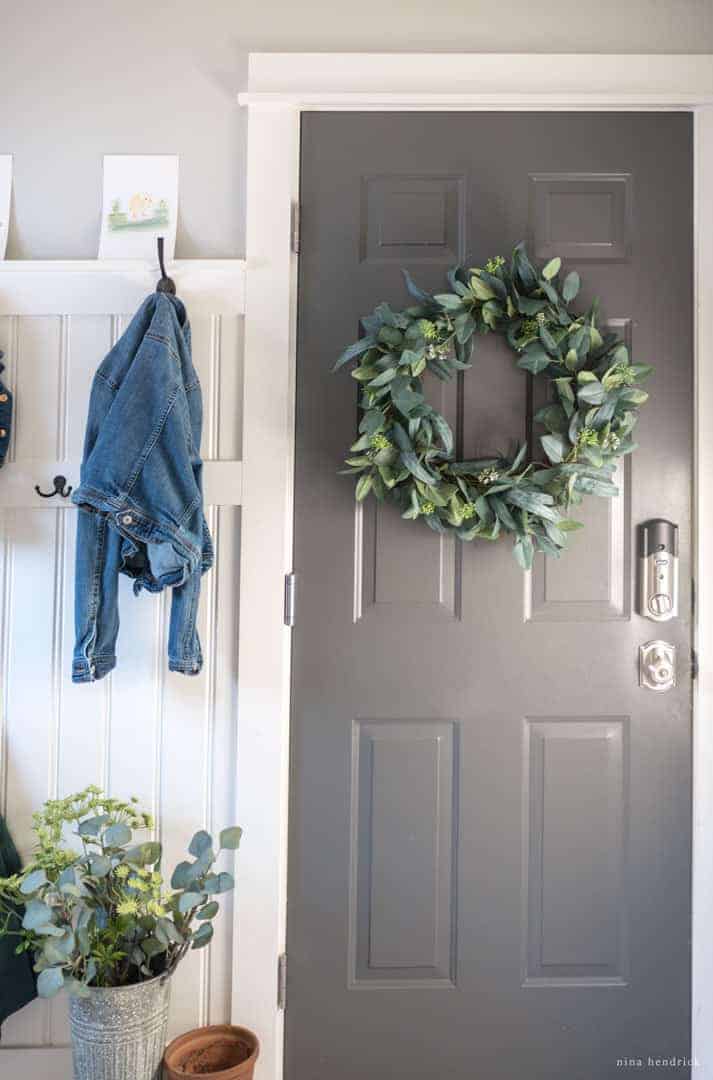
<point x="140" y="204"/>
<point x="5" y="192"/>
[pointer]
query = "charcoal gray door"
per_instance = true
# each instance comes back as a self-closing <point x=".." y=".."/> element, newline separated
<point x="489" y="819"/>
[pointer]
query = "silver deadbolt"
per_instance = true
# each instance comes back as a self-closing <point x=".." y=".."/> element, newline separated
<point x="658" y="570"/>
<point x="657" y="666"/>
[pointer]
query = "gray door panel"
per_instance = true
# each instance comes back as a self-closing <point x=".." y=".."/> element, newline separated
<point x="489" y="869"/>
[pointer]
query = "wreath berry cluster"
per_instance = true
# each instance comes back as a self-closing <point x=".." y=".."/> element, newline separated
<point x="405" y="450"/>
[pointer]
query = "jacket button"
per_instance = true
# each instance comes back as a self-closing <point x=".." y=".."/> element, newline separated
<point x="3" y="398"/>
<point x="127" y="519"/>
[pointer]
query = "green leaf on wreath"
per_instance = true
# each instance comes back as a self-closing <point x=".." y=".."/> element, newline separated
<point x="480" y="289"/>
<point x="593" y="393"/>
<point x="551" y="269"/>
<point x="449" y="301"/>
<point x="363" y="487"/>
<point x="548" y="341"/>
<point x="351" y="353"/>
<point x="555" y="447"/>
<point x="570" y="287"/>
<point x="384" y="378"/>
<point x="534" y="359"/>
<point x="524" y="552"/>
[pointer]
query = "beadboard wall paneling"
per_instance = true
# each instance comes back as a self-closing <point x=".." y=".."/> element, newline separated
<point x="143" y="730"/>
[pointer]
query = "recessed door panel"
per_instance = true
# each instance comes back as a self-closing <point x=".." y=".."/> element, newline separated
<point x="412" y="218"/>
<point x="581" y="215"/>
<point x="577" y="799"/>
<point x="403" y="829"/>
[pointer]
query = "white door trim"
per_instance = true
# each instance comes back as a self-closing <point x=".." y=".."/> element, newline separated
<point x="280" y="88"/>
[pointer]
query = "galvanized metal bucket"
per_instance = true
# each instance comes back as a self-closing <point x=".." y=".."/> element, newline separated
<point x="119" y="1033"/>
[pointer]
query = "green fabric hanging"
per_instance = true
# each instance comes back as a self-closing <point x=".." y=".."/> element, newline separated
<point x="17" y="980"/>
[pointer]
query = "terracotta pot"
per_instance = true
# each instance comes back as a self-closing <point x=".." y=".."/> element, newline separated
<point x="221" y="1052"/>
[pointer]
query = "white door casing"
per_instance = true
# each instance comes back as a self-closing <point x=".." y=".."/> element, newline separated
<point x="142" y="731"/>
<point x="281" y="87"/>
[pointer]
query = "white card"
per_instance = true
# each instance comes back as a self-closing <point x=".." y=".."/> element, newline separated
<point x="140" y="204"/>
<point x="5" y="193"/>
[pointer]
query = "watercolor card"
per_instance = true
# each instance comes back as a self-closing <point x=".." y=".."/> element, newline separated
<point x="140" y="203"/>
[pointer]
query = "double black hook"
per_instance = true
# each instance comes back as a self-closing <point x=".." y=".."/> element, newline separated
<point x="60" y="488"/>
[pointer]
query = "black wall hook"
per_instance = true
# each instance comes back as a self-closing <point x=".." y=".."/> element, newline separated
<point x="166" y="284"/>
<point x="60" y="488"/>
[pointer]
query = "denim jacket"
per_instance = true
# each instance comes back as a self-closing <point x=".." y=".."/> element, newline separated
<point x="5" y="415"/>
<point x="140" y="494"/>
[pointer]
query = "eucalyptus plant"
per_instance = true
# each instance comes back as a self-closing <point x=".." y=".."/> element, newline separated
<point x="92" y="906"/>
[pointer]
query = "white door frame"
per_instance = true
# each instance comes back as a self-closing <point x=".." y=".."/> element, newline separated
<point x="281" y="87"/>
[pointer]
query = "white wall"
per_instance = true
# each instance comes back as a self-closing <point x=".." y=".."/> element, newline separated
<point x="88" y="77"/>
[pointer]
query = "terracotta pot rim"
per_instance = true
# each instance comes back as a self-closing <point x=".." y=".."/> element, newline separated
<point x="204" y="1033"/>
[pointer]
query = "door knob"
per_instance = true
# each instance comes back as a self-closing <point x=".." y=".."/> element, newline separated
<point x="657" y="666"/>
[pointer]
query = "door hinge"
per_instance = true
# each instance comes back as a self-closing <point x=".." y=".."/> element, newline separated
<point x="290" y="598"/>
<point x="295" y="229"/>
<point x="694" y="663"/>
<point x="282" y="981"/>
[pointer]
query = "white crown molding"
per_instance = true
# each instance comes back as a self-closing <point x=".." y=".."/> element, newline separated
<point x="477" y="80"/>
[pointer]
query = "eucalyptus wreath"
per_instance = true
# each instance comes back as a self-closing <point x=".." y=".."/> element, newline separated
<point x="405" y="452"/>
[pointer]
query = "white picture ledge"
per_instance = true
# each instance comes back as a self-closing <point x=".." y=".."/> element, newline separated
<point x="102" y="287"/>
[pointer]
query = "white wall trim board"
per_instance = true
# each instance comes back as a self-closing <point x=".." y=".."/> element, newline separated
<point x="117" y="286"/>
<point x="280" y="87"/>
<point x="222" y="482"/>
